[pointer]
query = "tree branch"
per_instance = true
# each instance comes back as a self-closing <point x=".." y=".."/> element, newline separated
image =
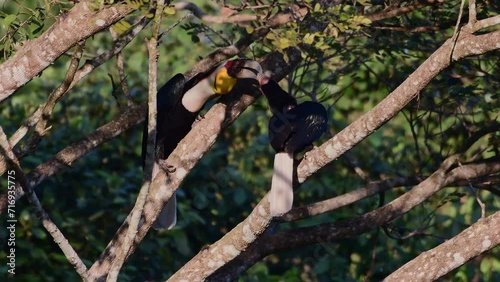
<point x="455" y="177"/>
<point x="48" y="107"/>
<point x="41" y="214"/>
<point x="466" y="45"/>
<point x="478" y="25"/>
<point x="71" y="27"/>
<point x="242" y="236"/>
<point x="135" y="214"/>
<point x="199" y="13"/>
<point x="330" y="232"/>
<point x="479" y="238"/>
<point x="472" y="13"/>
<point x="85" y="69"/>
<point x="334" y="203"/>
<point x="391" y="13"/>
<point x="68" y="155"/>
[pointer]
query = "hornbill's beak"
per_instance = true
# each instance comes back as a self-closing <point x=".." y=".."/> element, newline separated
<point x="233" y="70"/>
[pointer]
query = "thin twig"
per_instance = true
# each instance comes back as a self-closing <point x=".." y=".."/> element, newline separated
<point x="118" y="46"/>
<point x="474" y="191"/>
<point x="390" y="13"/>
<point x="136" y="213"/>
<point x="89" y="66"/>
<point x="409" y="29"/>
<point x="121" y="71"/>
<point x="199" y="13"/>
<point x="459" y="19"/>
<point x="47" y="109"/>
<point x="166" y="31"/>
<point x="49" y="225"/>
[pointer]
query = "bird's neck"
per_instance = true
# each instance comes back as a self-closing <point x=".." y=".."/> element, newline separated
<point x="194" y="99"/>
<point x="281" y="104"/>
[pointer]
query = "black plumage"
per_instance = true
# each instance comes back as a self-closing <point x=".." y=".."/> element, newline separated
<point x="292" y="128"/>
<point x="174" y="121"/>
<point x="178" y="104"/>
<point x="169" y="109"/>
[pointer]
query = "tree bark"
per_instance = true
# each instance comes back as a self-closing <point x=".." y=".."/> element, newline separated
<point x="71" y="26"/>
<point x="473" y="241"/>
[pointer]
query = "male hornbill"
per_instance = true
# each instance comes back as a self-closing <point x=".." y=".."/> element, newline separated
<point x="292" y="128"/>
<point x="178" y="104"/>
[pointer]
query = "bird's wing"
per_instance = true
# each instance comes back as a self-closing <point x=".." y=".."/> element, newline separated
<point x="167" y="99"/>
<point x="170" y="94"/>
<point x="280" y="130"/>
<point x="308" y="124"/>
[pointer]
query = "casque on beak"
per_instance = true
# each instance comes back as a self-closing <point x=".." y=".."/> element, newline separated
<point x="227" y="76"/>
<point x="243" y="68"/>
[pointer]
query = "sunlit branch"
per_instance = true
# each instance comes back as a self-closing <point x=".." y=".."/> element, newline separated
<point x="48" y="224"/>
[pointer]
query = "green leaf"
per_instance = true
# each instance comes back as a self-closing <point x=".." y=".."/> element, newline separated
<point x="169" y="10"/>
<point x="366" y="21"/>
<point x="271" y="36"/>
<point x="39" y="233"/>
<point x="308" y="38"/>
<point x="284" y="43"/>
<point x="317" y="8"/>
<point x="8" y="20"/>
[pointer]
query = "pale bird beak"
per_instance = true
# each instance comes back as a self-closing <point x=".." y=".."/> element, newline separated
<point x="263" y="78"/>
<point x="243" y="68"/>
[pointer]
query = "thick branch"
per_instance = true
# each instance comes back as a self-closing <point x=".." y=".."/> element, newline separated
<point x="331" y="232"/>
<point x="478" y="25"/>
<point x="71" y="27"/>
<point x="135" y="214"/>
<point x="466" y="45"/>
<point x="466" y="172"/>
<point x="478" y="238"/>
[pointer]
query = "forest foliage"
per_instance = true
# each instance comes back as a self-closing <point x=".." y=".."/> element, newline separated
<point x="351" y="60"/>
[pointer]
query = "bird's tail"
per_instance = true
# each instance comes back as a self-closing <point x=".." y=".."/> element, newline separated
<point x="281" y="195"/>
<point x="167" y="218"/>
<point x="168" y="215"/>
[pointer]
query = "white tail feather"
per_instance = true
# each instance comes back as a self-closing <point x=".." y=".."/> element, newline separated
<point x="281" y="195"/>
<point x="167" y="218"/>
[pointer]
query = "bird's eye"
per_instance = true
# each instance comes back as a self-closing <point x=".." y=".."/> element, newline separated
<point x="234" y="67"/>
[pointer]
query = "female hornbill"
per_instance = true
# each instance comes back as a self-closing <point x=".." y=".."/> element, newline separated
<point x="178" y="104"/>
<point x="292" y="128"/>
